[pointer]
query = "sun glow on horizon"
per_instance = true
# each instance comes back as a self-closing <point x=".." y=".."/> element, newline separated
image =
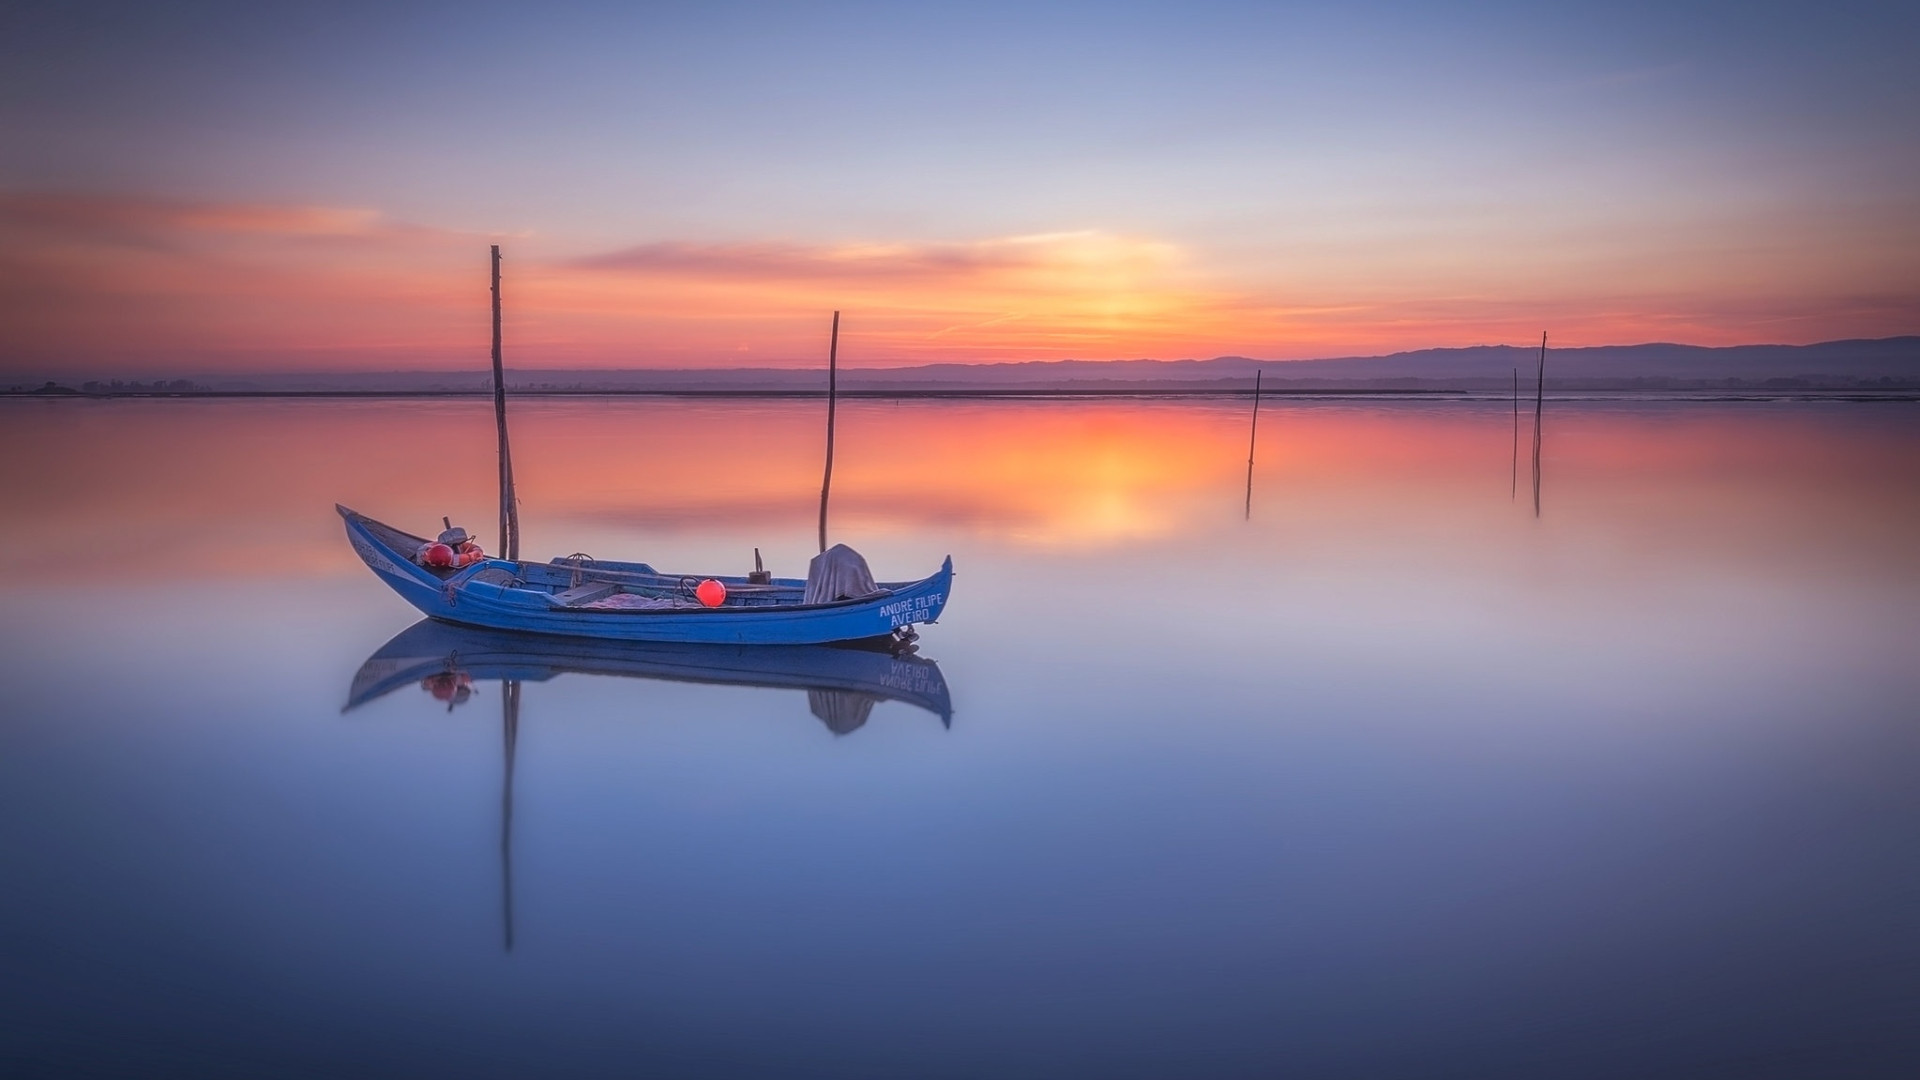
<point x="141" y="284"/>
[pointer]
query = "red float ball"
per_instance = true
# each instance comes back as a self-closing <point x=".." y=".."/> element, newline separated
<point x="711" y="593"/>
<point x="439" y="555"/>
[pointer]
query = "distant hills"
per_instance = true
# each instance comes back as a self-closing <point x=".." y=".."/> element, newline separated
<point x="1885" y="363"/>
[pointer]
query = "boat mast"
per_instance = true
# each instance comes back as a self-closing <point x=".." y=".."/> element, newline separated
<point x="833" y="370"/>
<point x="1253" y="435"/>
<point x="1539" y="402"/>
<point x="1513" y="480"/>
<point x="509" y="510"/>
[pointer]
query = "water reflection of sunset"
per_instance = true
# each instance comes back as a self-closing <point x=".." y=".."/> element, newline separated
<point x="633" y="475"/>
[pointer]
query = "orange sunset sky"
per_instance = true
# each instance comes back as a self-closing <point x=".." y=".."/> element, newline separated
<point x="211" y="188"/>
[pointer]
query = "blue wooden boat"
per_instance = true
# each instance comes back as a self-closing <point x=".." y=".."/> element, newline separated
<point x="842" y="682"/>
<point x="624" y="601"/>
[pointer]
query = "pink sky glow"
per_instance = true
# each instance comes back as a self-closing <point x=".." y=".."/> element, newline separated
<point x="108" y="284"/>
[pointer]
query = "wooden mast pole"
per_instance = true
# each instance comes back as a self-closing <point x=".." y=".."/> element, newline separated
<point x="1513" y="481"/>
<point x="833" y="370"/>
<point x="1253" y="434"/>
<point x="1539" y="398"/>
<point x="509" y="511"/>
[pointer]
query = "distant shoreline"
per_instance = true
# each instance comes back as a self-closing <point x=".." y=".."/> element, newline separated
<point x="1857" y="366"/>
<point x="64" y="393"/>
<point x="1695" y="393"/>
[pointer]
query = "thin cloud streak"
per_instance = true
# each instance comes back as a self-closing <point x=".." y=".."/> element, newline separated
<point x="943" y="263"/>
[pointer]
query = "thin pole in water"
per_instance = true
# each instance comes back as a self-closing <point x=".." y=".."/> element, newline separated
<point x="1253" y="435"/>
<point x="1513" y="484"/>
<point x="510" y="734"/>
<point x="509" y="512"/>
<point x="833" y="374"/>
<point x="1539" y="399"/>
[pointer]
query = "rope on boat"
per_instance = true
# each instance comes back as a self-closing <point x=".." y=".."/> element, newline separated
<point x="579" y="559"/>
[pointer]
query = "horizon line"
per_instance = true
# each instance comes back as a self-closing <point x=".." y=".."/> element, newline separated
<point x="801" y="365"/>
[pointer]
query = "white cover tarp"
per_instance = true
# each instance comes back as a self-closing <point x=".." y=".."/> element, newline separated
<point x="839" y="573"/>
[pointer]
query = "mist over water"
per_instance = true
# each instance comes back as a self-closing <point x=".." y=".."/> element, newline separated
<point x="1385" y="776"/>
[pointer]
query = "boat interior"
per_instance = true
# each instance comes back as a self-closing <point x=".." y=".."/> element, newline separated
<point x="580" y="581"/>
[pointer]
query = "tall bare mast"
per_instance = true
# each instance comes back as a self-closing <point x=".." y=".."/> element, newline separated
<point x="1513" y="481"/>
<point x="1539" y="400"/>
<point x="1253" y="433"/>
<point x="833" y="375"/>
<point x="509" y="508"/>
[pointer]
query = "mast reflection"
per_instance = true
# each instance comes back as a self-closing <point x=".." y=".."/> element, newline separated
<point x="510" y="739"/>
<point x="842" y="684"/>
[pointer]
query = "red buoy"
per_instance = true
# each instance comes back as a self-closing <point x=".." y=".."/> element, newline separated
<point x="711" y="593"/>
<point x="439" y="555"/>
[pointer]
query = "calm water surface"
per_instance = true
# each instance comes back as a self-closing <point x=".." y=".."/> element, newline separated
<point x="1389" y="779"/>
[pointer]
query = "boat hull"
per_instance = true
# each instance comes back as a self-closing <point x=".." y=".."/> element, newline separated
<point x="468" y="598"/>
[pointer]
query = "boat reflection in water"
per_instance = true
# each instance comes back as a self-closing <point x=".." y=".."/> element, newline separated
<point x="843" y="683"/>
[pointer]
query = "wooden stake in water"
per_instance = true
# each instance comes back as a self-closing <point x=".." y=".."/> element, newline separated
<point x="509" y="511"/>
<point x="1513" y="482"/>
<point x="1253" y="435"/>
<point x="833" y="373"/>
<point x="510" y="734"/>
<point x="1539" y="398"/>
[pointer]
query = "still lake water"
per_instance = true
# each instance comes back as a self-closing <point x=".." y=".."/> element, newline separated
<point x="1391" y="779"/>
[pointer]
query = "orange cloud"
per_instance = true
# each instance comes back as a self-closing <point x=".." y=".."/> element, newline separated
<point x="1080" y="293"/>
<point x="128" y="282"/>
<point x="136" y="220"/>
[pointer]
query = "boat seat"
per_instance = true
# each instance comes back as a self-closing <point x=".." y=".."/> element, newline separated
<point x="585" y="593"/>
